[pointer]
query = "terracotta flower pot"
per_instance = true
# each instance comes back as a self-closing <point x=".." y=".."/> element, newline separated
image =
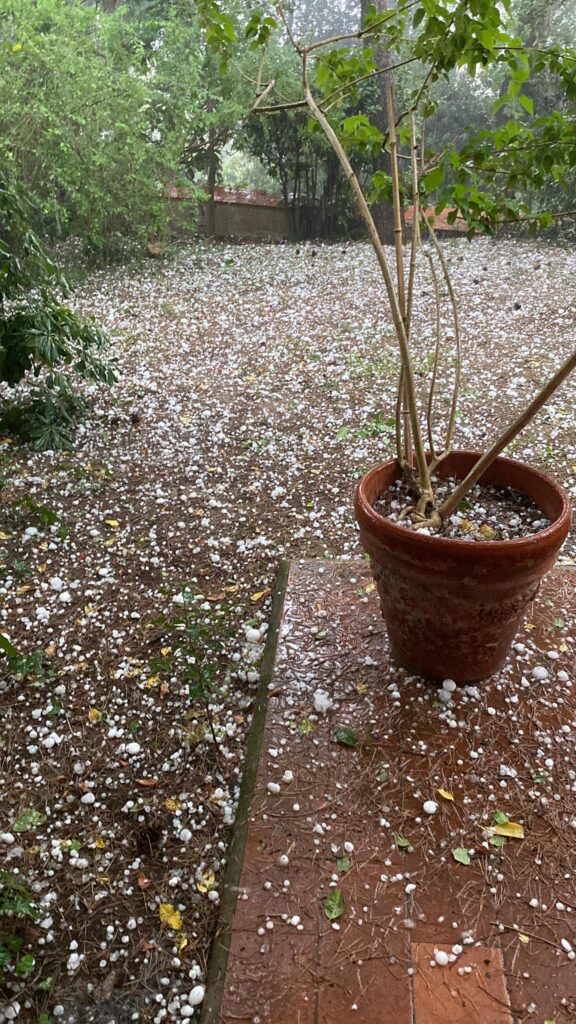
<point x="452" y="608"/>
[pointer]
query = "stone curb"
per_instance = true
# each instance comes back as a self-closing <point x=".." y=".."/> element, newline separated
<point x="216" y="975"/>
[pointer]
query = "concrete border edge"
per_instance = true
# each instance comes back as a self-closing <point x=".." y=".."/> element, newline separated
<point x="216" y="975"/>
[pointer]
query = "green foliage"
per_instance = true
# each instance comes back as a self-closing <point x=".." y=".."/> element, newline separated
<point x="95" y="108"/>
<point x="39" y="335"/>
<point x="46" y="415"/>
<point x="46" y="334"/>
<point x="197" y="651"/>
<point x="33" y="668"/>
<point x="506" y="169"/>
<point x="16" y="907"/>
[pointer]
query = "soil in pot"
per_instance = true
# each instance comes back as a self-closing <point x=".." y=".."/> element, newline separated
<point x="488" y="512"/>
<point x="452" y="608"/>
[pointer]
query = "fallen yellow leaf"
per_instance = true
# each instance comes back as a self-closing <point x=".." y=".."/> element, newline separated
<point x="43" y="567"/>
<point x="511" y="830"/>
<point x="233" y="589"/>
<point x="5" y="536"/>
<point x="151" y="682"/>
<point x="444" y="793"/>
<point x="172" y="805"/>
<point x="523" y="938"/>
<point x="164" y="651"/>
<point x="488" y="532"/>
<point x="260" y="594"/>
<point x="563" y="647"/>
<point x="360" y="688"/>
<point x="100" y="843"/>
<point x="94" y="715"/>
<point x="181" y="942"/>
<point x="170" y="916"/>
<point x="206" y="882"/>
<point x="112" y="522"/>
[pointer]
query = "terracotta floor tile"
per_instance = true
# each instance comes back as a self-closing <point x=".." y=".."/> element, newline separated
<point x="368" y="796"/>
<point x="443" y="996"/>
<point x="363" y="976"/>
<point x="271" y="978"/>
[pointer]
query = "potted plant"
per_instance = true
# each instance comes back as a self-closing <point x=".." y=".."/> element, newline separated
<point x="452" y="606"/>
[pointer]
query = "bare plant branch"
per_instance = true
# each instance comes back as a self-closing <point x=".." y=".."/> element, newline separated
<point x="399" y="251"/>
<point x="426" y="496"/>
<point x="330" y="40"/>
<point x="430" y="405"/>
<point x="285" y="22"/>
<point x="400" y="451"/>
<point x="332" y="98"/>
<point x="508" y="435"/>
<point x="415" y="243"/>
<point x="454" y="304"/>
<point x="263" y="95"/>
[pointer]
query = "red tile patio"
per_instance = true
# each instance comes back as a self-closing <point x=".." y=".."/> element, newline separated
<point x="325" y="816"/>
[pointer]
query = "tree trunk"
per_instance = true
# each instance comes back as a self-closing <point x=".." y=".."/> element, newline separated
<point x="211" y="184"/>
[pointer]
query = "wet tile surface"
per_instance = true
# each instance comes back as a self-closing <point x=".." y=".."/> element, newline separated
<point x="352" y="749"/>
<point x="473" y="991"/>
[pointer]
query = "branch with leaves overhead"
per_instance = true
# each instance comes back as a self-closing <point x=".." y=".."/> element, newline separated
<point x="439" y="38"/>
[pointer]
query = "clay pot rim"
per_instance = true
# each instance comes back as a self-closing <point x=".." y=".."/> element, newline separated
<point x="367" y="514"/>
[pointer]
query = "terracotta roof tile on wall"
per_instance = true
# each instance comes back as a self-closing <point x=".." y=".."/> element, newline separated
<point x="245" y="197"/>
<point x="440" y="219"/>
<point x="237" y="196"/>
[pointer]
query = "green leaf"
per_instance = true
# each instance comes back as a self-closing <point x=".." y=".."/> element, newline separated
<point x="402" y="843"/>
<point x="305" y="727"/>
<point x="461" y="855"/>
<point x="28" y="819"/>
<point x="25" y="964"/>
<point x="433" y="179"/>
<point x="500" y="818"/>
<point x="497" y="840"/>
<point x="7" y="647"/>
<point x="559" y="622"/>
<point x="527" y="103"/>
<point x="334" y="906"/>
<point x="342" y="433"/>
<point x="346" y="737"/>
<point x="343" y="864"/>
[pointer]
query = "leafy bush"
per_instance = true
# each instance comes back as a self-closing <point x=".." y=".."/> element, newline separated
<point x="95" y="107"/>
<point x="16" y="906"/>
<point x="40" y="335"/>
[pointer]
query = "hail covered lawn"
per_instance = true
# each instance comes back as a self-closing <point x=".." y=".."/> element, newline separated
<point x="257" y="385"/>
